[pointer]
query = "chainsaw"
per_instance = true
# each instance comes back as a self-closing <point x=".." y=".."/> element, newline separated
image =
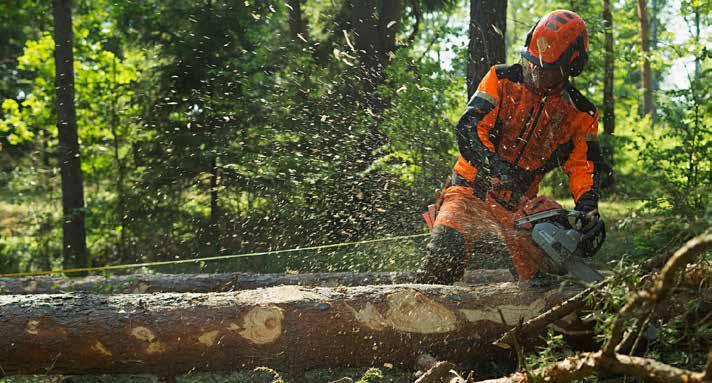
<point x="567" y="237"/>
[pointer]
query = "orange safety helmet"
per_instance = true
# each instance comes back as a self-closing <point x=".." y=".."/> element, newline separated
<point x="558" y="38"/>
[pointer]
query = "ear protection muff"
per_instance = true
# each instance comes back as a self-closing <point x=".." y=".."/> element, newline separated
<point x="528" y="39"/>
<point x="579" y="61"/>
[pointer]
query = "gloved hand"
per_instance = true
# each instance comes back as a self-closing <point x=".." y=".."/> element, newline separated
<point x="505" y="187"/>
<point x="588" y="204"/>
<point x="508" y="177"/>
<point x="502" y="170"/>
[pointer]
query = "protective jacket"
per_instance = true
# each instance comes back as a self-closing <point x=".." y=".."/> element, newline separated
<point x="532" y="133"/>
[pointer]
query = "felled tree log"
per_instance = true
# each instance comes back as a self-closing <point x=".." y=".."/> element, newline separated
<point x="206" y="283"/>
<point x="286" y="328"/>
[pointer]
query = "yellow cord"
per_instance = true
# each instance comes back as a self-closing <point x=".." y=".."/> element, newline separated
<point x="215" y="258"/>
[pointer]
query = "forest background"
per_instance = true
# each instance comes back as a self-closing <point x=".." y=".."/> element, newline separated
<point x="226" y="127"/>
<point x="222" y="127"/>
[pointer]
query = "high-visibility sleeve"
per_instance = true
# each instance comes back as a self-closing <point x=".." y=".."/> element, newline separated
<point x="584" y="163"/>
<point x="479" y="118"/>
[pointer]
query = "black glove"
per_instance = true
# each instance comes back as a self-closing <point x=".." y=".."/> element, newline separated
<point x="587" y="203"/>
<point x="590" y="225"/>
<point x="511" y="177"/>
<point x="502" y="170"/>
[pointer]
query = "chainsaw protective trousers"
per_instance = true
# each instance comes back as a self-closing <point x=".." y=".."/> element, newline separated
<point x="473" y="233"/>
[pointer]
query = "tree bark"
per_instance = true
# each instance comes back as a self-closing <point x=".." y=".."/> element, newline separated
<point x="297" y="24"/>
<point x="121" y="210"/>
<point x="609" y="118"/>
<point x="74" y="247"/>
<point x="286" y="328"/>
<point x="654" y="9"/>
<point x="206" y="283"/>
<point x="647" y="74"/>
<point x="487" y="29"/>
<point x="388" y="25"/>
<point x="364" y="21"/>
<point x="214" y="196"/>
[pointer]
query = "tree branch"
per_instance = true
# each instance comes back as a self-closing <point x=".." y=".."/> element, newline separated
<point x="538" y="323"/>
<point x="589" y="364"/>
<point x="436" y="37"/>
<point x="436" y="373"/>
<point x="660" y="288"/>
<point x="607" y="359"/>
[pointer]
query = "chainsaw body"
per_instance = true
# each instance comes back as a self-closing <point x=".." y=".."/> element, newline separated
<point x="567" y="237"/>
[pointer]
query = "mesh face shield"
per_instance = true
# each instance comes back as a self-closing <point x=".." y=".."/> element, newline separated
<point x="542" y="79"/>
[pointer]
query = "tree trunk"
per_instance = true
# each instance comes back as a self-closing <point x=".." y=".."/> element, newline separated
<point x="297" y="24"/>
<point x="207" y="283"/>
<point x="654" y="9"/>
<point x="120" y="169"/>
<point x="375" y="27"/>
<point x="487" y="28"/>
<point x="74" y="247"/>
<point x="289" y="327"/>
<point x="214" y="205"/>
<point x="364" y="22"/>
<point x="609" y="117"/>
<point x="647" y="74"/>
<point x="388" y="25"/>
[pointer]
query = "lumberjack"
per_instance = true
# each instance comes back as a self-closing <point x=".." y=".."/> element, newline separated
<point x="523" y="121"/>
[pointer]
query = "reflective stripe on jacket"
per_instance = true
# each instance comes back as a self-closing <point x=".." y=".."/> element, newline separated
<point x="536" y="133"/>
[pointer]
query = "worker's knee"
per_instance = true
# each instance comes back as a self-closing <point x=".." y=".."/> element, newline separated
<point x="446" y="239"/>
<point x="444" y="259"/>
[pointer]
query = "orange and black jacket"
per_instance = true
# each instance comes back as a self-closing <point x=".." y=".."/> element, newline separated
<point x="532" y="133"/>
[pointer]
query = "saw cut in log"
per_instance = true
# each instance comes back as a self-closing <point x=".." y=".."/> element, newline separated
<point x="224" y="282"/>
<point x="285" y="327"/>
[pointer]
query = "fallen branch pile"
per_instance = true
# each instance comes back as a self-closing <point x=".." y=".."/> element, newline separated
<point x="588" y="364"/>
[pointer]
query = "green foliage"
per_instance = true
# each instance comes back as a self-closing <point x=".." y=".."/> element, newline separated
<point x="679" y="158"/>
<point x="550" y="352"/>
